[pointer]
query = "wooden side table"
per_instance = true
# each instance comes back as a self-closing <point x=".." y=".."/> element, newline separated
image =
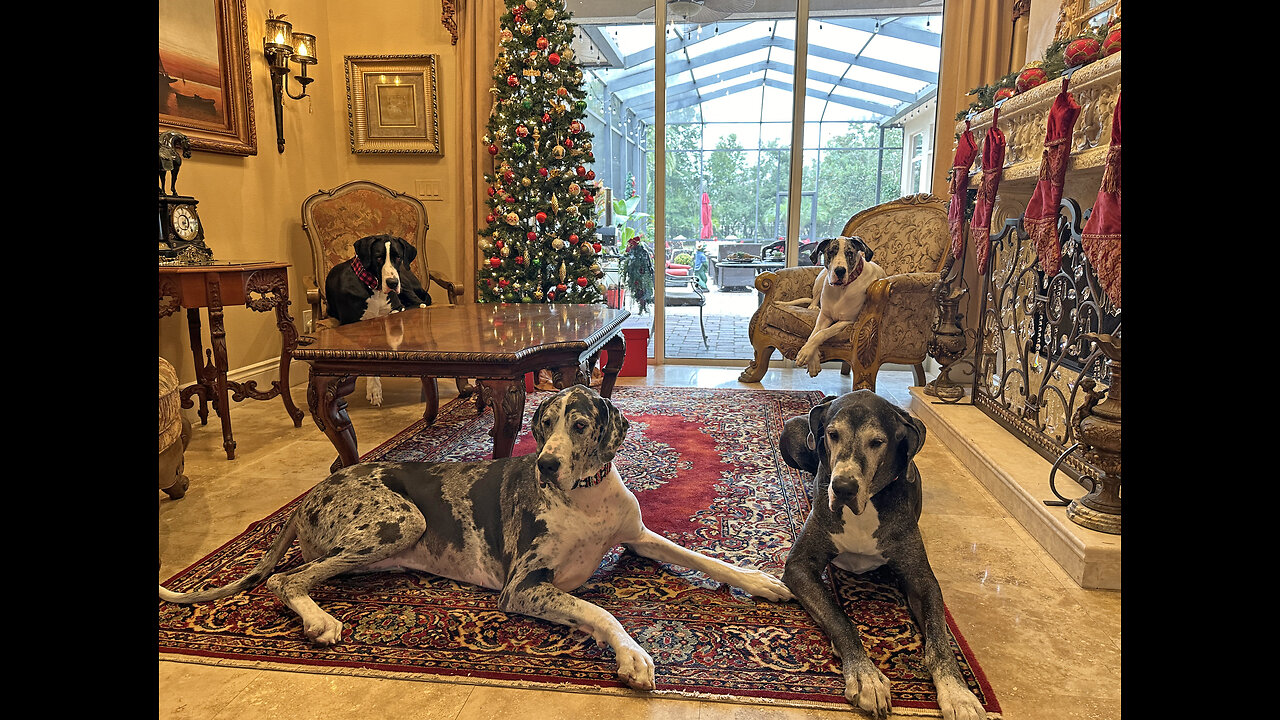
<point x="260" y="286"/>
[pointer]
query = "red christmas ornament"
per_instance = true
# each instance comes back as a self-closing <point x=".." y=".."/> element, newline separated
<point x="531" y="235"/>
<point x="498" y="244"/>
<point x="542" y="43"/>
<point x="546" y="117"/>
<point x="1031" y="77"/>
<point x="568" y="142"/>
<point x="508" y="176"/>
<point x="596" y="246"/>
<point x="589" y="198"/>
<point x="519" y="259"/>
<point x="495" y="262"/>
<point x="553" y="58"/>
<point x="581" y="171"/>
<point x="503" y="282"/>
<point x="1082" y="51"/>
<point x="512" y="80"/>
<point x="591" y="224"/>
<point x="493" y="149"/>
<point x="542" y="172"/>
<point x="561" y="287"/>
<point x="522" y="131"/>
<point x="551" y="294"/>
<point x="582" y="282"/>
<point x="591" y="174"/>
<point x="492" y="191"/>
<point x="1111" y="45"/>
<point x="573" y="239"/>
<point x="508" y="199"/>
<point x="1004" y="93"/>
<point x="489" y="218"/>
<point x="542" y="217"/>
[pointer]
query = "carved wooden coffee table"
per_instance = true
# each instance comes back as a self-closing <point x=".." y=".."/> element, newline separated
<point x="494" y="343"/>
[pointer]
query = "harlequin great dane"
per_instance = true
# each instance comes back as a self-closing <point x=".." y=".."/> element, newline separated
<point x="865" y="514"/>
<point x="533" y="527"/>
<point x="376" y="281"/>
<point x="839" y="292"/>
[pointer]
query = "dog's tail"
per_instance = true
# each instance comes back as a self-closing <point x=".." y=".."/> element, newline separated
<point x="260" y="572"/>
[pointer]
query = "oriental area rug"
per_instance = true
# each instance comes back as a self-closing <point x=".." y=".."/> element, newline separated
<point x="705" y="467"/>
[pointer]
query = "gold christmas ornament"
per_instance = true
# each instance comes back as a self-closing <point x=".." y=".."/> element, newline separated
<point x="512" y="218"/>
<point x="558" y="244"/>
<point x="526" y="29"/>
<point x="525" y="182"/>
<point x="557" y="152"/>
<point x="562" y="272"/>
<point x="531" y="4"/>
<point x="567" y="54"/>
<point x="574" y="189"/>
<point x="506" y="251"/>
<point x="549" y="14"/>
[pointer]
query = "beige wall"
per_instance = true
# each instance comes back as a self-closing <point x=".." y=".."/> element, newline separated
<point x="251" y="205"/>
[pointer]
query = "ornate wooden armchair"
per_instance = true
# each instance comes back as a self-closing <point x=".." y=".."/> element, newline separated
<point x="910" y="240"/>
<point x="335" y="219"/>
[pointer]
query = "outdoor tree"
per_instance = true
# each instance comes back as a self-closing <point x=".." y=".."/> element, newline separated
<point x="539" y="244"/>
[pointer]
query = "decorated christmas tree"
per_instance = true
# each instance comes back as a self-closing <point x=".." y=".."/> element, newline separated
<point x="539" y="243"/>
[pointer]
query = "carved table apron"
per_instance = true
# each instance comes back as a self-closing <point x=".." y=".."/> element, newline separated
<point x="494" y="343"/>
<point x="260" y="286"/>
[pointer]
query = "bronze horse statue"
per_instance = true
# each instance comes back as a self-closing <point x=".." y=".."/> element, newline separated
<point x="173" y="147"/>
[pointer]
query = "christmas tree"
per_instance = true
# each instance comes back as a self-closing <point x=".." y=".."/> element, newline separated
<point x="539" y="243"/>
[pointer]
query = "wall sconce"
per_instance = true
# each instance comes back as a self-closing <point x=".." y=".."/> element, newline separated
<point x="280" y="45"/>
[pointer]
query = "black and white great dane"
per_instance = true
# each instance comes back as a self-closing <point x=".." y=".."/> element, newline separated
<point x="376" y="281"/>
<point x="839" y="292"/>
<point x="533" y="527"/>
<point x="865" y="514"/>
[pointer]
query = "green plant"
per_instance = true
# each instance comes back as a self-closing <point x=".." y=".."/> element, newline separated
<point x="684" y="257"/>
<point x="636" y="267"/>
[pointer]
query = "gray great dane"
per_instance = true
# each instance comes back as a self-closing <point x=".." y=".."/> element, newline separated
<point x="533" y="527"/>
<point x="865" y="514"/>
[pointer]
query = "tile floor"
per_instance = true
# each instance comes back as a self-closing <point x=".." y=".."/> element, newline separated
<point x="1050" y="649"/>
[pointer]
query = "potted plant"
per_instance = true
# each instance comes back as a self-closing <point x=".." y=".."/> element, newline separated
<point x="636" y="266"/>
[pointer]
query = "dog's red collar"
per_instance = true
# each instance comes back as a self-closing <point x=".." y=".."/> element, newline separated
<point x="365" y="276"/>
<point x="594" y="479"/>
<point x="857" y="270"/>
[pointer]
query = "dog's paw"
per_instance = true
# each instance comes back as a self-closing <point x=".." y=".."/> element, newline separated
<point x="763" y="585"/>
<point x="323" y="629"/>
<point x="373" y="391"/>
<point x="957" y="701"/>
<point x="635" y="667"/>
<point x="866" y="687"/>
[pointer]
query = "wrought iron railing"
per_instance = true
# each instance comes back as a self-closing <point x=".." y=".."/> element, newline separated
<point x="1033" y="346"/>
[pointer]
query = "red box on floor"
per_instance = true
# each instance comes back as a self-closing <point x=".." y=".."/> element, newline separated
<point x="636" y="361"/>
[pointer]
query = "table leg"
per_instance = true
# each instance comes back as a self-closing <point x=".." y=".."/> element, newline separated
<point x="218" y="341"/>
<point x="197" y="353"/>
<point x="288" y="341"/>
<point x="431" y="398"/>
<point x="326" y="399"/>
<point x="507" y="399"/>
<point x="616" y="348"/>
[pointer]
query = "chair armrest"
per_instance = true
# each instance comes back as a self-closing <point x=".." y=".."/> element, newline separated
<point x="913" y="283"/>
<point x="455" y="290"/>
<point x="786" y="284"/>
<point x="312" y="290"/>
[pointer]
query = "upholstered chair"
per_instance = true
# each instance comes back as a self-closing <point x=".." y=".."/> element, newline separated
<point x="910" y="241"/>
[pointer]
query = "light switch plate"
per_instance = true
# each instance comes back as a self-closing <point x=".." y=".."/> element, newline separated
<point x="427" y="189"/>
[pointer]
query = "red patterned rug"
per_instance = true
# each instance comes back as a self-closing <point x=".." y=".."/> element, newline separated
<point x="705" y="467"/>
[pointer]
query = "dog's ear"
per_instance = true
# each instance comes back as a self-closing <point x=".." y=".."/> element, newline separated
<point x="614" y="429"/>
<point x="818" y="424"/>
<point x="540" y="435"/>
<point x="407" y="249"/>
<point x="819" y="250"/>
<point x="364" y="246"/>
<point x="913" y="434"/>
<point x="867" y="252"/>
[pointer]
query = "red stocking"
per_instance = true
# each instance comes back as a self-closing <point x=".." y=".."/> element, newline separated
<point x="966" y="150"/>
<point x="992" y="170"/>
<point x="1102" y="230"/>
<point x="1041" y="217"/>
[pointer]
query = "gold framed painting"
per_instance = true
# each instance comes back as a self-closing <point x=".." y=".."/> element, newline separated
<point x="205" y="88"/>
<point x="392" y="104"/>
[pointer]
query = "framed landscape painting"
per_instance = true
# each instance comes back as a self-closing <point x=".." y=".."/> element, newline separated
<point x="204" y="81"/>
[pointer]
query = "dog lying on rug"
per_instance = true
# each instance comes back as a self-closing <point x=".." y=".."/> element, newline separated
<point x="866" y="506"/>
<point x="377" y="281"/>
<point x="533" y="528"/>
<point x="839" y="292"/>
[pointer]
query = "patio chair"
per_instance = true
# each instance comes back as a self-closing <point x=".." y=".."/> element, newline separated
<point x="910" y="239"/>
<point x="684" y="291"/>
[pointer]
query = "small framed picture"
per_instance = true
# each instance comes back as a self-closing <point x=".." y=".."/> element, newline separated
<point x="392" y="104"/>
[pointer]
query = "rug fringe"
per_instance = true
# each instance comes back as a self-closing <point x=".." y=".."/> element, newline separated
<point x="530" y="685"/>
